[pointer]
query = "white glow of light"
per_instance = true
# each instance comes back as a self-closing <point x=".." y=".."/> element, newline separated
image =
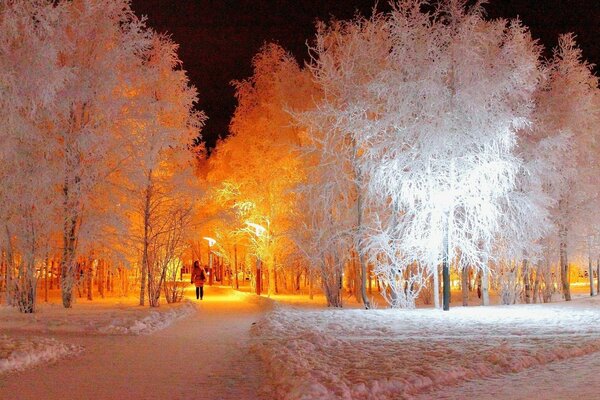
<point x="259" y="230"/>
<point x="210" y="241"/>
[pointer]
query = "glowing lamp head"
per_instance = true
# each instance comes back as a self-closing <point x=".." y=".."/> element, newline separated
<point x="259" y="230"/>
<point x="210" y="241"/>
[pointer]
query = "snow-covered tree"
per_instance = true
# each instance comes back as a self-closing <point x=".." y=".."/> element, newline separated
<point x="29" y="84"/>
<point x="89" y="125"/>
<point x="258" y="165"/>
<point x="435" y="115"/>
<point x="159" y="177"/>
<point x="567" y="118"/>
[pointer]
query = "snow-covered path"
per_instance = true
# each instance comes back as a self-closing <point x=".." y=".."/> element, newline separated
<point x="204" y="356"/>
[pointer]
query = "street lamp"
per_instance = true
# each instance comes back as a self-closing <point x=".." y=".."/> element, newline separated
<point x="259" y="230"/>
<point x="211" y="243"/>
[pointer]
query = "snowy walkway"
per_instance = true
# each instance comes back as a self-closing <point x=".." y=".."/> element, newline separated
<point x="204" y="356"/>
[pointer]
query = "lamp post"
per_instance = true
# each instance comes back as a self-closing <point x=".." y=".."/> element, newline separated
<point x="259" y="230"/>
<point x="211" y="242"/>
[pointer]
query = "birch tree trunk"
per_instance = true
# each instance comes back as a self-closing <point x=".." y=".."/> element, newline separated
<point x="526" y="281"/>
<point x="235" y="262"/>
<point x="598" y="276"/>
<point x="144" y="266"/>
<point x="485" y="284"/>
<point x="465" y="286"/>
<point x="46" y="280"/>
<point x="436" y="287"/>
<point x="271" y="276"/>
<point x="564" y="263"/>
<point x="89" y="278"/>
<point x="590" y="269"/>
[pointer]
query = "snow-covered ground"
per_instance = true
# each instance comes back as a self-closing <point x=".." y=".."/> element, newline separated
<point x="204" y="356"/>
<point x="29" y="339"/>
<point x="102" y="316"/>
<point x="239" y="346"/>
<point x="391" y="354"/>
<point x="18" y="354"/>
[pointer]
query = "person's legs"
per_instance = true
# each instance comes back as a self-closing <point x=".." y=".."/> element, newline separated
<point x="201" y="292"/>
<point x="197" y="292"/>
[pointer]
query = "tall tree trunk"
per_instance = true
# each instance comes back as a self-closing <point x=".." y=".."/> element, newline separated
<point x="598" y="276"/>
<point x="361" y="257"/>
<point x="3" y="271"/>
<point x="52" y="274"/>
<point x="258" y="283"/>
<point x="311" y="293"/>
<point x="101" y="277"/>
<point x="436" y="286"/>
<point x="564" y="263"/>
<point x="46" y="280"/>
<point x="485" y="286"/>
<point x="271" y="276"/>
<point x="235" y="263"/>
<point x="359" y="228"/>
<point x="526" y="281"/>
<point x="536" y="285"/>
<point x="89" y="268"/>
<point x="145" y="266"/>
<point x="274" y="276"/>
<point x="446" y="273"/>
<point x="369" y="278"/>
<point x="69" y="264"/>
<point x="465" y="286"/>
<point x="590" y="269"/>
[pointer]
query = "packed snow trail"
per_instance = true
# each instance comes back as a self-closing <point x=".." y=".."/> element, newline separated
<point x="204" y="356"/>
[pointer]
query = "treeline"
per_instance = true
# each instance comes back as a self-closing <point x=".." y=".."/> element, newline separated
<point x="96" y="172"/>
<point x="413" y="143"/>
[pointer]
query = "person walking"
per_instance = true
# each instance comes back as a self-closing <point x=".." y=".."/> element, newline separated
<point x="198" y="278"/>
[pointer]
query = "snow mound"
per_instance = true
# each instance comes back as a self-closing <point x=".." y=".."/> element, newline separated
<point x="20" y="354"/>
<point x="154" y="321"/>
<point x="390" y="354"/>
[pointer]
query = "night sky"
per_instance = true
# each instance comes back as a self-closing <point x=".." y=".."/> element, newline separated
<point x="218" y="38"/>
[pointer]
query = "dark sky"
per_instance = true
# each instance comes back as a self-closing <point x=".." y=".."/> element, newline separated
<point x="219" y="37"/>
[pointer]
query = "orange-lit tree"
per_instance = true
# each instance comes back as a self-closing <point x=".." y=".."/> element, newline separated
<point x="159" y="177"/>
<point x="258" y="165"/>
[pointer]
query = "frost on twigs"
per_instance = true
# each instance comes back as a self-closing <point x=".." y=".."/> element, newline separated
<point x="426" y="108"/>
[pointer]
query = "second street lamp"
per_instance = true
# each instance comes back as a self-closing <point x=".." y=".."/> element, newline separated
<point x="259" y="230"/>
<point x="211" y="243"/>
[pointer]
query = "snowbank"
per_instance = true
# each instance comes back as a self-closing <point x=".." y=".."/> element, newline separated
<point x="124" y="317"/>
<point x="154" y="321"/>
<point x="20" y="354"/>
<point x="390" y="354"/>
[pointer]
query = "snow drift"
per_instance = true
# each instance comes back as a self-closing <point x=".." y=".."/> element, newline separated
<point x="386" y="354"/>
<point x="20" y="354"/>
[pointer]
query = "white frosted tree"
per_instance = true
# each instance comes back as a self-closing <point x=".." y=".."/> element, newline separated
<point x="347" y="57"/>
<point x="91" y="111"/>
<point x="161" y="188"/>
<point x="435" y="117"/>
<point x="567" y="113"/>
<point x="29" y="83"/>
